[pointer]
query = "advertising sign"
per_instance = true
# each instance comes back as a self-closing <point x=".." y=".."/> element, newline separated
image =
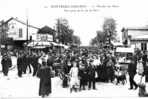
<point x="44" y="37"/>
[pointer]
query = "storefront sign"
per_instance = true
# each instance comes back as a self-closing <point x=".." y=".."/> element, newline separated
<point x="44" y="37"/>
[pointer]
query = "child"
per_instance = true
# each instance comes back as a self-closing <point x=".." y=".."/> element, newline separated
<point x="74" y="80"/>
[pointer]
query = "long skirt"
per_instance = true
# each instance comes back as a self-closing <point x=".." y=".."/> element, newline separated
<point x="74" y="81"/>
<point x="142" y="91"/>
<point x="5" y="69"/>
<point x="65" y="82"/>
<point x="45" y="87"/>
<point x="110" y="73"/>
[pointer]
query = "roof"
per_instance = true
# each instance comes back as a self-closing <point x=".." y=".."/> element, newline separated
<point x="46" y="30"/>
<point x="19" y="22"/>
<point x="138" y="28"/>
<point x="141" y="37"/>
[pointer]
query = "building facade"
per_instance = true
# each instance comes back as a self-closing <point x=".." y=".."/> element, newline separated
<point x="18" y="31"/>
<point x="137" y="37"/>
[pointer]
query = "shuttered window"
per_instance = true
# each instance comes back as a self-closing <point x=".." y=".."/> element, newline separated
<point x="20" y="32"/>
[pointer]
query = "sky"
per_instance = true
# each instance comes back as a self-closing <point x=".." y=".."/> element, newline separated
<point x="127" y="13"/>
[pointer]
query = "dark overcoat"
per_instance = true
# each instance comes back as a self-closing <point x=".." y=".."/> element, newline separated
<point x="44" y="73"/>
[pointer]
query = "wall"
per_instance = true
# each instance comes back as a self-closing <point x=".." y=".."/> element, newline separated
<point x="18" y="31"/>
<point x="136" y="33"/>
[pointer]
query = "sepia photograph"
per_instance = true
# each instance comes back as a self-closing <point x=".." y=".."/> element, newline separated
<point x="73" y="49"/>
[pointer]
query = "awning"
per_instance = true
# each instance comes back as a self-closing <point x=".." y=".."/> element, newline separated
<point x="46" y="44"/>
<point x="39" y="43"/>
<point x="60" y="45"/>
<point x="55" y="44"/>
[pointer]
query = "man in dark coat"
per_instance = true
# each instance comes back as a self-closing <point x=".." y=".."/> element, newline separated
<point x="35" y="64"/>
<point x="144" y="58"/>
<point x="65" y="74"/>
<point x="91" y="76"/>
<point x="83" y="76"/>
<point x="6" y="63"/>
<point x="24" y="64"/>
<point x="110" y="71"/>
<point x="50" y="60"/>
<point x="144" y="61"/>
<point x="132" y="72"/>
<point x="19" y="65"/>
<point x="28" y="62"/>
<point x="45" y="80"/>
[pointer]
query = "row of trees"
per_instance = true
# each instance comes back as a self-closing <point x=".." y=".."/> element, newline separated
<point x="65" y="34"/>
<point x="107" y="34"/>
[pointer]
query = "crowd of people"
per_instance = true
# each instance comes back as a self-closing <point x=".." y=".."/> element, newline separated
<point x="79" y="70"/>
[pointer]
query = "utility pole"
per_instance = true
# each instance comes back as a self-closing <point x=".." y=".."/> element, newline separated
<point x="27" y="29"/>
<point x="27" y="24"/>
<point x="0" y="36"/>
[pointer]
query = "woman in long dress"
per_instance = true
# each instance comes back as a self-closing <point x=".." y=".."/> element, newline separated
<point x="74" y="80"/>
<point x="45" y="80"/>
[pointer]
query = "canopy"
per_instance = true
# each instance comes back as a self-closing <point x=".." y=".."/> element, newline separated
<point x="45" y="44"/>
<point x="62" y="45"/>
<point x="39" y="43"/>
<point x="55" y="44"/>
<point x="46" y="30"/>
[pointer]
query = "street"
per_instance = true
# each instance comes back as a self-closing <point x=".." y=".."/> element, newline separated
<point x="27" y="87"/>
<point x="87" y="43"/>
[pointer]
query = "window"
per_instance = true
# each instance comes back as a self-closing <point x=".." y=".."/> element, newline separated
<point x="143" y="46"/>
<point x="20" y="33"/>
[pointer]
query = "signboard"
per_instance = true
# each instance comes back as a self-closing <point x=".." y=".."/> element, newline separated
<point x="44" y="37"/>
<point x="125" y="50"/>
<point x="2" y="46"/>
<point x="12" y="32"/>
